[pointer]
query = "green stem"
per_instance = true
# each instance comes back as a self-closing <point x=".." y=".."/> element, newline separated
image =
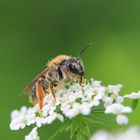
<point x="92" y="121"/>
<point x="54" y="135"/>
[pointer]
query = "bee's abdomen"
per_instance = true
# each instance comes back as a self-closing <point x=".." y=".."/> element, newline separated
<point x="33" y="93"/>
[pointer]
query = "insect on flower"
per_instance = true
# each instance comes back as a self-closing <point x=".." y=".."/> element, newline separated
<point x="61" y="68"/>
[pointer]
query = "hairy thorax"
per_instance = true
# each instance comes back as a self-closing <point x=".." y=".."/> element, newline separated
<point x="57" y="60"/>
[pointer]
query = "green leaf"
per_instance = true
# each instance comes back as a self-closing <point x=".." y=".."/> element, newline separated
<point x="135" y="103"/>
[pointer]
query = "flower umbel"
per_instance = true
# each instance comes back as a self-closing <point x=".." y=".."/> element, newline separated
<point x="132" y="133"/>
<point x="71" y="101"/>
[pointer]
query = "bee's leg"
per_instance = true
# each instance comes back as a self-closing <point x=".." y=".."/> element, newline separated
<point x="80" y="79"/>
<point x="68" y="75"/>
<point x="40" y="94"/>
<point x="52" y="91"/>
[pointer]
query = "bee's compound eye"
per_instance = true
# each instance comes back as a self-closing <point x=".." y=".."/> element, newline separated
<point x="73" y="67"/>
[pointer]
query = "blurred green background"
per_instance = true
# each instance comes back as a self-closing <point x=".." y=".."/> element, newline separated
<point x="33" y="32"/>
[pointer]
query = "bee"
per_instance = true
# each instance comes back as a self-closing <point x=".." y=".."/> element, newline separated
<point x="60" y="68"/>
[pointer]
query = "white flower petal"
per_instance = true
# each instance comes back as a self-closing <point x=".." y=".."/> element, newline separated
<point x="119" y="99"/>
<point x="133" y="95"/>
<point x="108" y="101"/>
<point x="132" y="133"/>
<point x="33" y="135"/>
<point x="117" y="108"/>
<point x="85" y="109"/>
<point x="115" y="89"/>
<point x="102" y="135"/>
<point x="121" y="119"/>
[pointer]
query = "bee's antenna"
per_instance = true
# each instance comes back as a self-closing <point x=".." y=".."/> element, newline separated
<point x="83" y="50"/>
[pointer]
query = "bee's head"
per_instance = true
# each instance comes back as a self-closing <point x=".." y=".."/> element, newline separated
<point x="75" y="65"/>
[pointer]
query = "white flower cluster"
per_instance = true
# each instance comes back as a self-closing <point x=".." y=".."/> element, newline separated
<point x="133" y="95"/>
<point x="132" y="133"/>
<point x="33" y="135"/>
<point x="71" y="101"/>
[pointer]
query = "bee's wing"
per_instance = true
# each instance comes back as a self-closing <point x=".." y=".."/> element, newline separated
<point x="27" y="89"/>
